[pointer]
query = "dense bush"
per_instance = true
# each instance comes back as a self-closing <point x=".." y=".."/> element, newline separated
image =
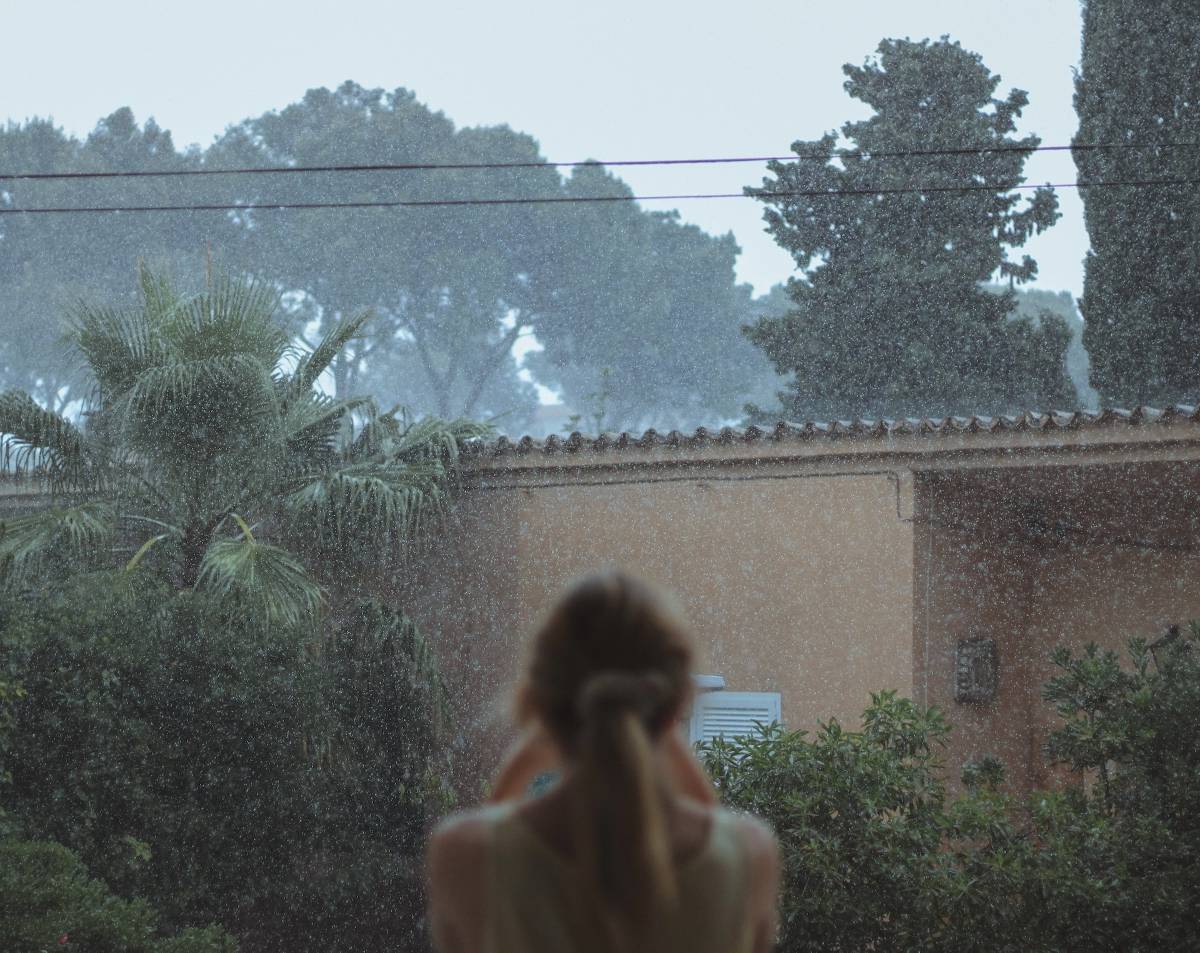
<point x="226" y="771"/>
<point x="878" y="857"/>
<point x="47" y="901"/>
<point x="1134" y="831"/>
<point x="10" y="692"/>
<point x="859" y="816"/>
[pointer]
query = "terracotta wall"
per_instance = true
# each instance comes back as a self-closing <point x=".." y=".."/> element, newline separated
<point x="1107" y="594"/>
<point x="977" y="586"/>
<point x="1035" y="560"/>
<point x="825" y="586"/>
<point x="801" y="585"/>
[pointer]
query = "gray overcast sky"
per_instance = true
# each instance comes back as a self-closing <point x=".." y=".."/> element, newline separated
<point x="621" y="79"/>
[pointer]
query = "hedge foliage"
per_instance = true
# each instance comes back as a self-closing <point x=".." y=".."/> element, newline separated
<point x="226" y="771"/>
<point x="879" y="856"/>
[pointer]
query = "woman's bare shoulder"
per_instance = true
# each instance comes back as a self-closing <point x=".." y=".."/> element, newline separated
<point x="457" y="863"/>
<point x="461" y="837"/>
<point x="761" y="847"/>
<point x="755" y="833"/>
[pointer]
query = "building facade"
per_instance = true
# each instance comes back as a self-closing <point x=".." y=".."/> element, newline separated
<point x="819" y="563"/>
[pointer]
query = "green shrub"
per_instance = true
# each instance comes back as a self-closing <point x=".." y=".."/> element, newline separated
<point x="859" y="816"/>
<point x="227" y="772"/>
<point x="48" y="901"/>
<point x="10" y="692"/>
<point x="1133" y="827"/>
<point x="876" y="857"/>
<point x="219" y="722"/>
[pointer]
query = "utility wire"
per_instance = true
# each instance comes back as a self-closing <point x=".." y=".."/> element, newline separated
<point x="728" y="160"/>
<point x="582" y="199"/>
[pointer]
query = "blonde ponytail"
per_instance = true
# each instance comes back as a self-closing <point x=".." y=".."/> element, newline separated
<point x="609" y="674"/>
<point x="619" y="821"/>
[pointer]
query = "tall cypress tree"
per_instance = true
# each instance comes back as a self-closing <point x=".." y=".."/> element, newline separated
<point x="889" y="313"/>
<point x="1139" y="87"/>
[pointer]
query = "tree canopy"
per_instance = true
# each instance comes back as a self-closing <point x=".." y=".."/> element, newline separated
<point x="51" y="261"/>
<point x="888" y="313"/>
<point x="1033" y="304"/>
<point x="609" y="291"/>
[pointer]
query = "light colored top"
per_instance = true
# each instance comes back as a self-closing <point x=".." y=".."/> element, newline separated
<point x="535" y="901"/>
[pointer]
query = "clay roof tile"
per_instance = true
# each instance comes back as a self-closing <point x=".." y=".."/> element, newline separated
<point x="576" y="442"/>
<point x="865" y="428"/>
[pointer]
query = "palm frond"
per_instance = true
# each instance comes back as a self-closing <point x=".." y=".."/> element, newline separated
<point x="144" y="549"/>
<point x="264" y="578"/>
<point x="198" y="383"/>
<point x="118" y="345"/>
<point x="234" y="317"/>
<point x="433" y="438"/>
<point x="312" y="424"/>
<point x="377" y="436"/>
<point x="59" y="537"/>
<point x="39" y="443"/>
<point x="313" y="365"/>
<point x="187" y="412"/>
<point x="371" y="503"/>
<point x="160" y="300"/>
<point x="395" y="437"/>
<point x="377" y="637"/>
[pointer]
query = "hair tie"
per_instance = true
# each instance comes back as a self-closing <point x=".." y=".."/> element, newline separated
<point x="642" y="693"/>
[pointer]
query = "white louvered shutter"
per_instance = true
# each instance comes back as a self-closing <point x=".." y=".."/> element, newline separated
<point x="730" y="714"/>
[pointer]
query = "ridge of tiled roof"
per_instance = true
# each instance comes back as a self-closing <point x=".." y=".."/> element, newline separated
<point x="859" y="428"/>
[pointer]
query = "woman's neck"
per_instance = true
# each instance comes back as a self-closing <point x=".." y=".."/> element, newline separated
<point x="552" y="815"/>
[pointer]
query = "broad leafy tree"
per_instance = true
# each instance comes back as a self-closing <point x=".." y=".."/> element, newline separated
<point x="612" y="292"/>
<point x="889" y="316"/>
<point x="452" y="287"/>
<point x="645" y="325"/>
<point x="49" y="262"/>
<point x="1138" y="88"/>
<point x="633" y="309"/>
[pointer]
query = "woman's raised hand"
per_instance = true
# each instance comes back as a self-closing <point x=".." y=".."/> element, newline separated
<point x="686" y="773"/>
<point x="534" y="753"/>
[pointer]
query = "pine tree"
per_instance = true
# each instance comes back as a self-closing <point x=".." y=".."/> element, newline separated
<point x="889" y="316"/>
<point x="1139" y="87"/>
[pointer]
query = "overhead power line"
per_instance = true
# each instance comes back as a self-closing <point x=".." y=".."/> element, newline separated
<point x="583" y="199"/>
<point x="724" y="160"/>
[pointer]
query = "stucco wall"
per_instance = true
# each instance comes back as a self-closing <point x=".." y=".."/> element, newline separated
<point x="1037" y="559"/>
<point x="791" y="583"/>
<point x="825" y="577"/>
<point x="977" y="586"/>
<point x="1106" y="594"/>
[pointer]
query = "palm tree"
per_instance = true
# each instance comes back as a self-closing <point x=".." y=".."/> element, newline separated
<point x="209" y="456"/>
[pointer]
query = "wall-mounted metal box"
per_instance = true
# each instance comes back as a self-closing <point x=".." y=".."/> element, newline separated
<point x="976" y="670"/>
